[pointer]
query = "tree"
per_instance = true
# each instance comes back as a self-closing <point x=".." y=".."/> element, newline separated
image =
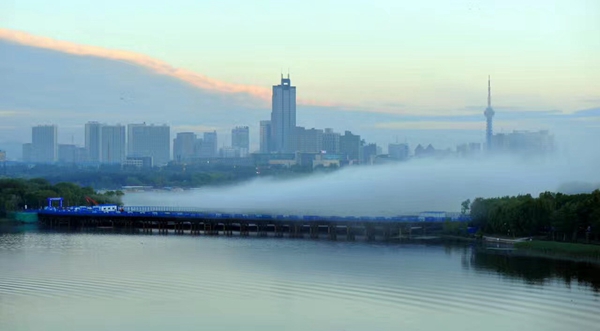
<point x="465" y="206"/>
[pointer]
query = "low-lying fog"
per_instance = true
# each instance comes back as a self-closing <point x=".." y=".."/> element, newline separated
<point x="414" y="186"/>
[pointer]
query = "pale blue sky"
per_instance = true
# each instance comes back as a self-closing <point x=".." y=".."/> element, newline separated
<point x="425" y="56"/>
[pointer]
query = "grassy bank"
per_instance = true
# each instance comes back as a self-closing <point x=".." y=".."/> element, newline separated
<point x="580" y="251"/>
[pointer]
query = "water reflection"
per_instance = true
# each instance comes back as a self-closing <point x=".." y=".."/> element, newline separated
<point x="535" y="270"/>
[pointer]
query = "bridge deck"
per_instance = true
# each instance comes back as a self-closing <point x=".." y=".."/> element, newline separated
<point x="179" y="213"/>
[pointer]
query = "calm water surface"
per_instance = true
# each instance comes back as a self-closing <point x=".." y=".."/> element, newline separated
<point x="108" y="281"/>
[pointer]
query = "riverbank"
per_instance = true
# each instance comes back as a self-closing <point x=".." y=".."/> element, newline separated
<point x="561" y="250"/>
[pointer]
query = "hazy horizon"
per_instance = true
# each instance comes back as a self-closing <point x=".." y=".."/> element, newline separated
<point x="391" y="189"/>
<point x="376" y="71"/>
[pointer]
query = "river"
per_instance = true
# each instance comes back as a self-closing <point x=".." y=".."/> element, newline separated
<point x="103" y="280"/>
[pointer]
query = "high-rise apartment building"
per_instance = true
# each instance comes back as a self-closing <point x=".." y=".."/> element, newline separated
<point x="184" y="146"/>
<point x="283" y="117"/>
<point x="350" y="146"/>
<point x="112" y="144"/>
<point x="240" y="138"/>
<point x="265" y="136"/>
<point x="308" y="140"/>
<point x="44" y="141"/>
<point x="209" y="148"/>
<point x="93" y="137"/>
<point x="331" y="141"/>
<point x="149" y="141"/>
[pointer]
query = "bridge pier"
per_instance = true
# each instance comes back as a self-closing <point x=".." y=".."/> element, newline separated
<point x="332" y="229"/>
<point x="369" y="232"/>
<point x="314" y="231"/>
<point x="349" y="233"/>
<point x="244" y="232"/>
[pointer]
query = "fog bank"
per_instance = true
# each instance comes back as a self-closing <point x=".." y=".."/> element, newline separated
<point x="385" y="190"/>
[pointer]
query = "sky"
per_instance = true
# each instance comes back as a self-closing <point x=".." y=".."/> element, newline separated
<point x="419" y="65"/>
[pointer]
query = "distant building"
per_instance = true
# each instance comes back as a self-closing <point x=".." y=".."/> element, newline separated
<point x="283" y="117"/>
<point x="350" y="145"/>
<point x="425" y="152"/>
<point x="44" y="140"/>
<point x="138" y="162"/>
<point x="240" y="138"/>
<point x="265" y="136"/>
<point x="27" y="152"/>
<point x="112" y="144"/>
<point x="470" y="149"/>
<point x="2" y="156"/>
<point x="229" y="152"/>
<point x="523" y="142"/>
<point x="93" y="138"/>
<point x="369" y="153"/>
<point x="326" y="160"/>
<point x="308" y="140"/>
<point x="184" y="146"/>
<point x="331" y="141"/>
<point x="67" y="153"/>
<point x="149" y="141"/>
<point x="208" y="147"/>
<point x="399" y="152"/>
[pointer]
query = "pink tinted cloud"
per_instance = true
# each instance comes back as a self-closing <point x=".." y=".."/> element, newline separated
<point x="157" y="66"/>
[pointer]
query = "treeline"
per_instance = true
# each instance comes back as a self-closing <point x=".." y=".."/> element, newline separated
<point x="556" y="215"/>
<point x="188" y="176"/>
<point x="15" y="194"/>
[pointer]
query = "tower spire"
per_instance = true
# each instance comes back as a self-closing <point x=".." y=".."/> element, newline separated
<point x="489" y="116"/>
<point x="489" y="92"/>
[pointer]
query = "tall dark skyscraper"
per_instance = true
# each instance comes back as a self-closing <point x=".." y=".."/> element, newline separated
<point x="283" y="117"/>
<point x="489" y="115"/>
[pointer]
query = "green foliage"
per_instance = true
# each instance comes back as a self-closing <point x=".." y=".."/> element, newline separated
<point x="15" y="194"/>
<point x="556" y="215"/>
<point x="465" y="206"/>
<point x="556" y="248"/>
<point x="455" y="228"/>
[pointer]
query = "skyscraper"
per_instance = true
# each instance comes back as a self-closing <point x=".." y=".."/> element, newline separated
<point x="149" y="141"/>
<point x="283" y="117"/>
<point x="184" y="146"/>
<point x="44" y="141"/>
<point x="240" y="138"/>
<point x="112" y="144"/>
<point x="265" y="136"/>
<point x="209" y="147"/>
<point x="93" y="137"/>
<point x="489" y="115"/>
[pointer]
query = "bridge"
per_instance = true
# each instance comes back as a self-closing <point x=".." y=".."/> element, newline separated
<point x="196" y="221"/>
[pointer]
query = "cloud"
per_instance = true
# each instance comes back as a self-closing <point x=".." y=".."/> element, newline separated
<point x="157" y="66"/>
<point x="12" y="113"/>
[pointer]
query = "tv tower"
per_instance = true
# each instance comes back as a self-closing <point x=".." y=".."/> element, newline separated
<point x="489" y="115"/>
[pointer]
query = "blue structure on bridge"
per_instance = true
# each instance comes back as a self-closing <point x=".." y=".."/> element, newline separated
<point x="182" y="213"/>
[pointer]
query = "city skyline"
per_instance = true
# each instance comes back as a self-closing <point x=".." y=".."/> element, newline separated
<point x="279" y="135"/>
<point x="409" y="78"/>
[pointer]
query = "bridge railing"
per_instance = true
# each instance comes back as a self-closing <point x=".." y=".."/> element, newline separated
<point x="195" y="213"/>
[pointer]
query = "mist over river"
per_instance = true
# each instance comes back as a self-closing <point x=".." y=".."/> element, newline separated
<point x="387" y="190"/>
